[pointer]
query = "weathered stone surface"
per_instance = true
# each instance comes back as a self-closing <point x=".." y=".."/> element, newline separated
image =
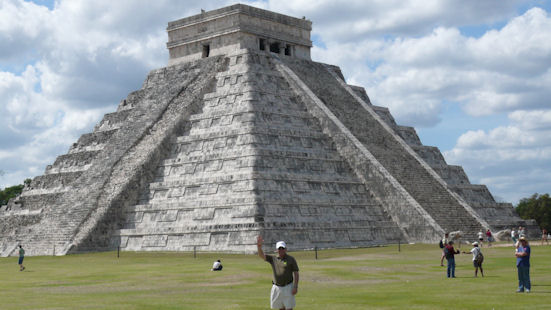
<point x="213" y="151"/>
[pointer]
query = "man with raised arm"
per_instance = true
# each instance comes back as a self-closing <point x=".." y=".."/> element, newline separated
<point x="285" y="280"/>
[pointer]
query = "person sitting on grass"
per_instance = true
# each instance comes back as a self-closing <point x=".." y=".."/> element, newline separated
<point x="217" y="266"/>
<point x="450" y="257"/>
<point x="478" y="258"/>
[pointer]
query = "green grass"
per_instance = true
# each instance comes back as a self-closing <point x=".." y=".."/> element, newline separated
<point x="374" y="278"/>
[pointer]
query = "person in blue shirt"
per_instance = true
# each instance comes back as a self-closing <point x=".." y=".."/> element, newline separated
<point x="523" y="265"/>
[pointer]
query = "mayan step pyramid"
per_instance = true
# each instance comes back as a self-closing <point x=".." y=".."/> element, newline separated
<point x="240" y="135"/>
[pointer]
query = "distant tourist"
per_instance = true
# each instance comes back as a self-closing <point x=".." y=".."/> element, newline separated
<point x="514" y="236"/>
<point x="480" y="237"/>
<point x="21" y="258"/>
<point x="285" y="280"/>
<point x="523" y="265"/>
<point x="544" y="236"/>
<point x="450" y="257"/>
<point x="217" y="266"/>
<point x="521" y="232"/>
<point x="489" y="237"/>
<point x="478" y="258"/>
<point x="443" y="244"/>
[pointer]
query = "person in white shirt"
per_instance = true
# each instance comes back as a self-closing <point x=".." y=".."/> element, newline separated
<point x="514" y="236"/>
<point x="478" y="258"/>
<point x="480" y="237"/>
<point x="217" y="266"/>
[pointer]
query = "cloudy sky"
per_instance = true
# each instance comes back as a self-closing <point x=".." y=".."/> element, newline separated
<point x="473" y="77"/>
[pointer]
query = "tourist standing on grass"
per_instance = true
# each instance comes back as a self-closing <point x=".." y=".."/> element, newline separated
<point x="443" y="244"/>
<point x="489" y="237"/>
<point x="450" y="257"/>
<point x="521" y="232"/>
<point x="544" y="236"/>
<point x="523" y="265"/>
<point x="480" y="238"/>
<point x="514" y="236"/>
<point x="285" y="280"/>
<point x="478" y="258"/>
<point x="21" y="258"/>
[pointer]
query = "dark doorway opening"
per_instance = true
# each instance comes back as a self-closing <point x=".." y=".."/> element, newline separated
<point x="274" y="47"/>
<point x="288" y="50"/>
<point x="206" y="50"/>
<point x="262" y="44"/>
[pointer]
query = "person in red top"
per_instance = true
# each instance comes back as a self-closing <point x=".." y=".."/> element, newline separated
<point x="489" y="237"/>
<point x="450" y="257"/>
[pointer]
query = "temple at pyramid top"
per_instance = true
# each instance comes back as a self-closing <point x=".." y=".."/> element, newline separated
<point x="237" y="27"/>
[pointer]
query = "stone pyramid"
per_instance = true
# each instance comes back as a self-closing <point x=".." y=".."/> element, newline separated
<point x="240" y="135"/>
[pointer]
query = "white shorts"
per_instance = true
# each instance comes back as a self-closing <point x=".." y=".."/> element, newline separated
<point x="282" y="297"/>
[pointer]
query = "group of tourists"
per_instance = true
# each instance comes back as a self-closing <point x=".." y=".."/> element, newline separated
<point x="448" y="252"/>
<point x="522" y="254"/>
<point x="489" y="238"/>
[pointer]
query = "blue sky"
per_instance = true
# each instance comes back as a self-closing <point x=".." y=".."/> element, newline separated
<point x="471" y="76"/>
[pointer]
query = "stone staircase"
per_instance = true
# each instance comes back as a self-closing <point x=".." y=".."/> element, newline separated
<point x="449" y="211"/>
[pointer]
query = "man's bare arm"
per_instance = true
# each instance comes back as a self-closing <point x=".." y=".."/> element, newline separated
<point x="259" y="242"/>
<point x="295" y="282"/>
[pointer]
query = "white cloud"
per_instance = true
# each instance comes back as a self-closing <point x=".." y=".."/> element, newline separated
<point x="501" y="71"/>
<point x="23" y="26"/>
<point x="513" y="160"/>
<point x="532" y="120"/>
<point x="345" y="21"/>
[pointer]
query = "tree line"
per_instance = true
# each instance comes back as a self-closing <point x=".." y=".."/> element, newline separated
<point x="537" y="207"/>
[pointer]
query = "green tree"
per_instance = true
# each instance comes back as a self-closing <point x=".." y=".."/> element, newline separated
<point x="537" y="207"/>
<point x="9" y="192"/>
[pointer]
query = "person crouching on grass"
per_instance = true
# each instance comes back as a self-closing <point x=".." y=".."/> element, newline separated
<point x="478" y="258"/>
<point x="450" y="257"/>
<point x="285" y="280"/>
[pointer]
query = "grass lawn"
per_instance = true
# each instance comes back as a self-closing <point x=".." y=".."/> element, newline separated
<point x="373" y="278"/>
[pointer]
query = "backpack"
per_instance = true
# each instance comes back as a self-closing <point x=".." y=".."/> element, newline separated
<point x="479" y="258"/>
<point x="441" y="244"/>
<point x="447" y="253"/>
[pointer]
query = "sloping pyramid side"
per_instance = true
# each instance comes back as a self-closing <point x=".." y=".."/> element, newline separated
<point x="500" y="216"/>
<point x="103" y="171"/>
<point x="423" y="186"/>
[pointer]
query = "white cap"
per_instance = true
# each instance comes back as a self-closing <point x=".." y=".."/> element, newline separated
<point x="281" y="244"/>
